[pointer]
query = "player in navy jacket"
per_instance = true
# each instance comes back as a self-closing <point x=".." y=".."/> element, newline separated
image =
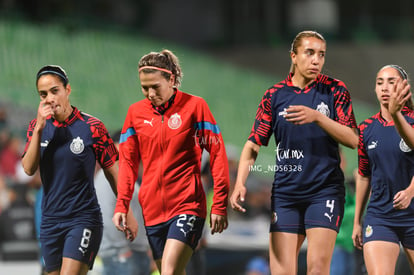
<point x="309" y="114"/>
<point x="386" y="170"/>
<point x="66" y="144"/>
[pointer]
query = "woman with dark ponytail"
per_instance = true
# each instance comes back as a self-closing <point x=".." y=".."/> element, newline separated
<point x="65" y="144"/>
<point x="385" y="180"/>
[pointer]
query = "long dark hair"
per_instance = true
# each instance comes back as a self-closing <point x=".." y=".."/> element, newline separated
<point x="55" y="70"/>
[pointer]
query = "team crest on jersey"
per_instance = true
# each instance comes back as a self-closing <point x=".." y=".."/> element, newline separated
<point x="404" y="147"/>
<point x="323" y="109"/>
<point x="368" y="231"/>
<point x="175" y="121"/>
<point x="274" y="218"/>
<point x="77" y="146"/>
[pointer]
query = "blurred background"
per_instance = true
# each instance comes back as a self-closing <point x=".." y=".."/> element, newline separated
<point x="230" y="52"/>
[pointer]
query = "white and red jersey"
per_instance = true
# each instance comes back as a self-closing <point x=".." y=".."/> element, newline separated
<point x="169" y="144"/>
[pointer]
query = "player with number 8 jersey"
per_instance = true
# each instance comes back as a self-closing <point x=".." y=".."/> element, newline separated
<point x="65" y="144"/>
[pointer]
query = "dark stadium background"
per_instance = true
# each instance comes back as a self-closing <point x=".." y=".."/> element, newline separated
<point x="230" y="52"/>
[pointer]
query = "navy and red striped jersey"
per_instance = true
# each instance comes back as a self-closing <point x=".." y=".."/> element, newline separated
<point x="69" y="152"/>
<point x="307" y="158"/>
<point x="386" y="159"/>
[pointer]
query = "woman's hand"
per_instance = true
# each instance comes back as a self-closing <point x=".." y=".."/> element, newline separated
<point x="44" y="111"/>
<point x="120" y="221"/>
<point x="218" y="223"/>
<point x="399" y="96"/>
<point x="237" y="197"/>
<point x="299" y="114"/>
<point x="357" y="236"/>
<point x="402" y="199"/>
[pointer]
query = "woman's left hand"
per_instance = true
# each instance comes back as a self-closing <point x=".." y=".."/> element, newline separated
<point x="398" y="96"/>
<point x="402" y="200"/>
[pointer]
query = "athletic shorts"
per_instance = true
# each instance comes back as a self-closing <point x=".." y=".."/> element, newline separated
<point x="375" y="230"/>
<point x="185" y="228"/>
<point x="78" y="242"/>
<point x="296" y="217"/>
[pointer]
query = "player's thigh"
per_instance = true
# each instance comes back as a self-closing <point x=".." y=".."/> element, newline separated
<point x="381" y="257"/>
<point x="52" y="256"/>
<point x="320" y="246"/>
<point x="410" y="257"/>
<point x="325" y="213"/>
<point x="176" y="256"/>
<point x="288" y="217"/>
<point x="184" y="227"/>
<point x="71" y="267"/>
<point x="381" y="245"/>
<point x="406" y="237"/>
<point x="52" y="240"/>
<point x="323" y="217"/>
<point x="284" y="248"/>
<point x="82" y="244"/>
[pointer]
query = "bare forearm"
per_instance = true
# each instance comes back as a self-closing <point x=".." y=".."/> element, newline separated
<point x="247" y="159"/>
<point x="111" y="175"/>
<point x="410" y="188"/>
<point x="361" y="197"/>
<point x="342" y="134"/>
<point x="31" y="159"/>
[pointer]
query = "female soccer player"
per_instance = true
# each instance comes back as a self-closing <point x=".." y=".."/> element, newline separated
<point x="65" y="144"/>
<point x="386" y="170"/>
<point x="309" y="114"/>
<point x="167" y="131"/>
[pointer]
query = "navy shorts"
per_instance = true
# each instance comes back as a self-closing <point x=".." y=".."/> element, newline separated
<point x="297" y="216"/>
<point x="184" y="227"/>
<point x="78" y="242"/>
<point x="375" y="230"/>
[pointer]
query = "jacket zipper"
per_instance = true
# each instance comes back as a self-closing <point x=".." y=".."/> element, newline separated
<point x="162" y="166"/>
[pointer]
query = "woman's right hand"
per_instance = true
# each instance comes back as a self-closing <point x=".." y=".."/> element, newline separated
<point x="43" y="112"/>
<point x="120" y="221"/>
<point x="357" y="236"/>
<point x="238" y="195"/>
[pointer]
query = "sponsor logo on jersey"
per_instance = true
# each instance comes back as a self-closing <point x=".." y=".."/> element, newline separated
<point x="174" y="122"/>
<point x="77" y="146"/>
<point x="283" y="113"/>
<point x="323" y="109"/>
<point x="44" y="143"/>
<point x="373" y="145"/>
<point x="404" y="147"/>
<point x="328" y="216"/>
<point x="149" y="122"/>
<point x="368" y="231"/>
<point x="274" y="218"/>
